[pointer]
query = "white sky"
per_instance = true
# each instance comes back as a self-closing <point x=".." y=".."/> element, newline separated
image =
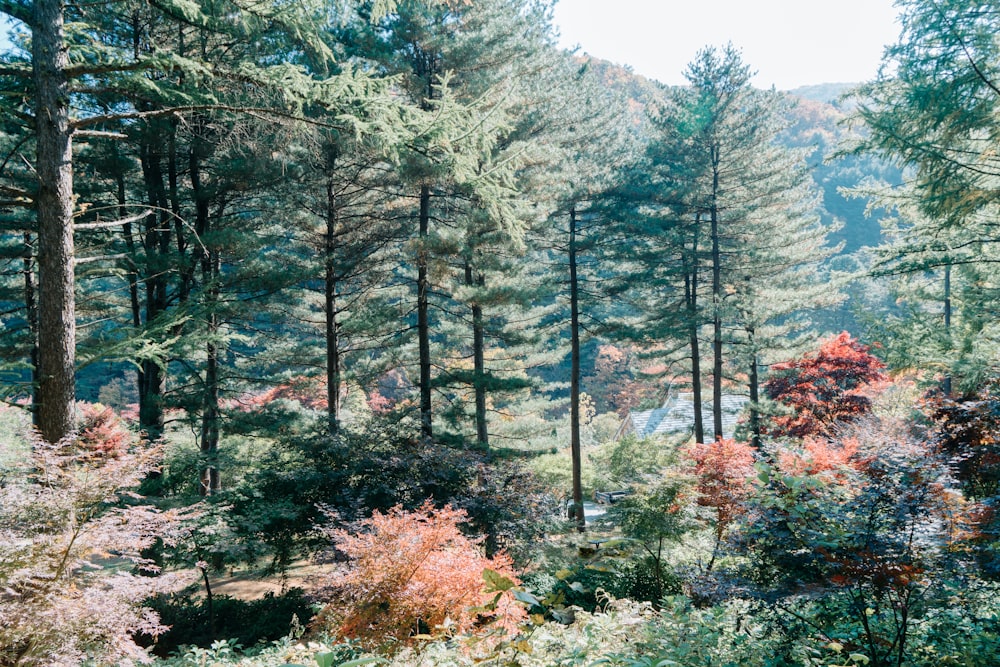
<point x="789" y="43"/>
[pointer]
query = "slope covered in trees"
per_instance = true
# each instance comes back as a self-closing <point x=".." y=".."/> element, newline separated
<point x="365" y="289"/>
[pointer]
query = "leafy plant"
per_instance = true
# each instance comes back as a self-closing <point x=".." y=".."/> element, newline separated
<point x="414" y="573"/>
<point x="73" y="576"/>
<point x="824" y="388"/>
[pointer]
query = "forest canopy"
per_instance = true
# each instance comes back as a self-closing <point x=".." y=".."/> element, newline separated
<point x="369" y="332"/>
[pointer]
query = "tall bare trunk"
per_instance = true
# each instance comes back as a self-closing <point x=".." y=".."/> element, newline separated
<point x="54" y="205"/>
<point x="156" y="243"/>
<point x="211" y="482"/>
<point x="333" y="379"/>
<point x="691" y="297"/>
<point x="755" y="440"/>
<point x="478" y="361"/>
<point x="423" y="316"/>
<point x="946" y="381"/>
<point x="716" y="303"/>
<point x="574" y="380"/>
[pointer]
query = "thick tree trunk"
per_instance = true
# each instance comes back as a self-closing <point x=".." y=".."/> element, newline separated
<point x="54" y="205"/>
<point x="333" y="379"/>
<point x="716" y="304"/>
<point x="423" y="316"/>
<point x="574" y="380"/>
<point x="478" y="361"/>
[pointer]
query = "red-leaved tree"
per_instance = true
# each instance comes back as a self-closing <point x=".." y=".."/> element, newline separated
<point x="724" y="469"/>
<point x="414" y="573"/>
<point x="824" y="388"/>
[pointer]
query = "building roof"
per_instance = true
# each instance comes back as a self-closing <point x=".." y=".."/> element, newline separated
<point x="676" y="416"/>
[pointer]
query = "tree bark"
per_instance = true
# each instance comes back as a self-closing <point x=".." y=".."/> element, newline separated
<point x="754" y="392"/>
<point x="333" y="379"/>
<point x="716" y="302"/>
<point x="691" y="285"/>
<point x="423" y="319"/>
<point x="946" y="381"/>
<point x="478" y="361"/>
<point x="156" y="243"/>
<point x="31" y="311"/>
<point x="211" y="482"/>
<point x="210" y="274"/>
<point x="574" y="380"/>
<point x="54" y="204"/>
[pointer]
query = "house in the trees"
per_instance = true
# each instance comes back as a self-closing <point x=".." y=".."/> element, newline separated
<point x="676" y="417"/>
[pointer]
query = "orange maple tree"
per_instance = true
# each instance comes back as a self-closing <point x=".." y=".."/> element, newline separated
<point x="724" y="469"/>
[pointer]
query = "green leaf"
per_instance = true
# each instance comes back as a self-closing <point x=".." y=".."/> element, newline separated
<point x="496" y="582"/>
<point x="526" y="597"/>
<point x="371" y="660"/>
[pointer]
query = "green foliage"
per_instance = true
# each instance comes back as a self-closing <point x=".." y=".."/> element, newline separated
<point x="243" y="623"/>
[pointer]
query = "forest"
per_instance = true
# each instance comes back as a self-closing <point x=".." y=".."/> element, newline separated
<point x="388" y="332"/>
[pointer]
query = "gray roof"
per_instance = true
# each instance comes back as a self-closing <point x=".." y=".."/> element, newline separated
<point x="676" y="416"/>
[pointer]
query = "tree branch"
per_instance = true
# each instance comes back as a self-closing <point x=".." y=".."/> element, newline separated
<point x="112" y="223"/>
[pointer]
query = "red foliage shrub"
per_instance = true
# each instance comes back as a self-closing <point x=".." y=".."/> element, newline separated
<point x="413" y="573"/>
<point x="818" y="456"/>
<point x="102" y="431"/>
<point x="724" y="469"/>
<point x="825" y="388"/>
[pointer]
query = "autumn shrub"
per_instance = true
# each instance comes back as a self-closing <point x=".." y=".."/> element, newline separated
<point x="863" y="542"/>
<point x="723" y="470"/>
<point x="101" y="431"/>
<point x="73" y="577"/>
<point x="377" y="466"/>
<point x="413" y="573"/>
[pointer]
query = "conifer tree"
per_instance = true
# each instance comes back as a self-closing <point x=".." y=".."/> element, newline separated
<point x="730" y="227"/>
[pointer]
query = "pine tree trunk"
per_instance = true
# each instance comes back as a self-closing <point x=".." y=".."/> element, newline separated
<point x="54" y="205"/>
<point x="574" y="380"/>
<point x="156" y="243"/>
<point x="691" y="285"/>
<point x="754" y="392"/>
<point x="423" y="318"/>
<point x="333" y="379"/>
<point x="31" y="312"/>
<point x="210" y="274"/>
<point x="133" y="275"/>
<point x="211" y="482"/>
<point x="716" y="303"/>
<point x="478" y="362"/>
<point x="946" y="381"/>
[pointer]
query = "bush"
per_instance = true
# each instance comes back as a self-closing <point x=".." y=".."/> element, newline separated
<point x="414" y="573"/>
<point x="72" y="537"/>
<point x="247" y="623"/>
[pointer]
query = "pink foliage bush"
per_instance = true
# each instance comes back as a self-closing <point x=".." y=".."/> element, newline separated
<point x="72" y="535"/>
<point x="413" y="573"/>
